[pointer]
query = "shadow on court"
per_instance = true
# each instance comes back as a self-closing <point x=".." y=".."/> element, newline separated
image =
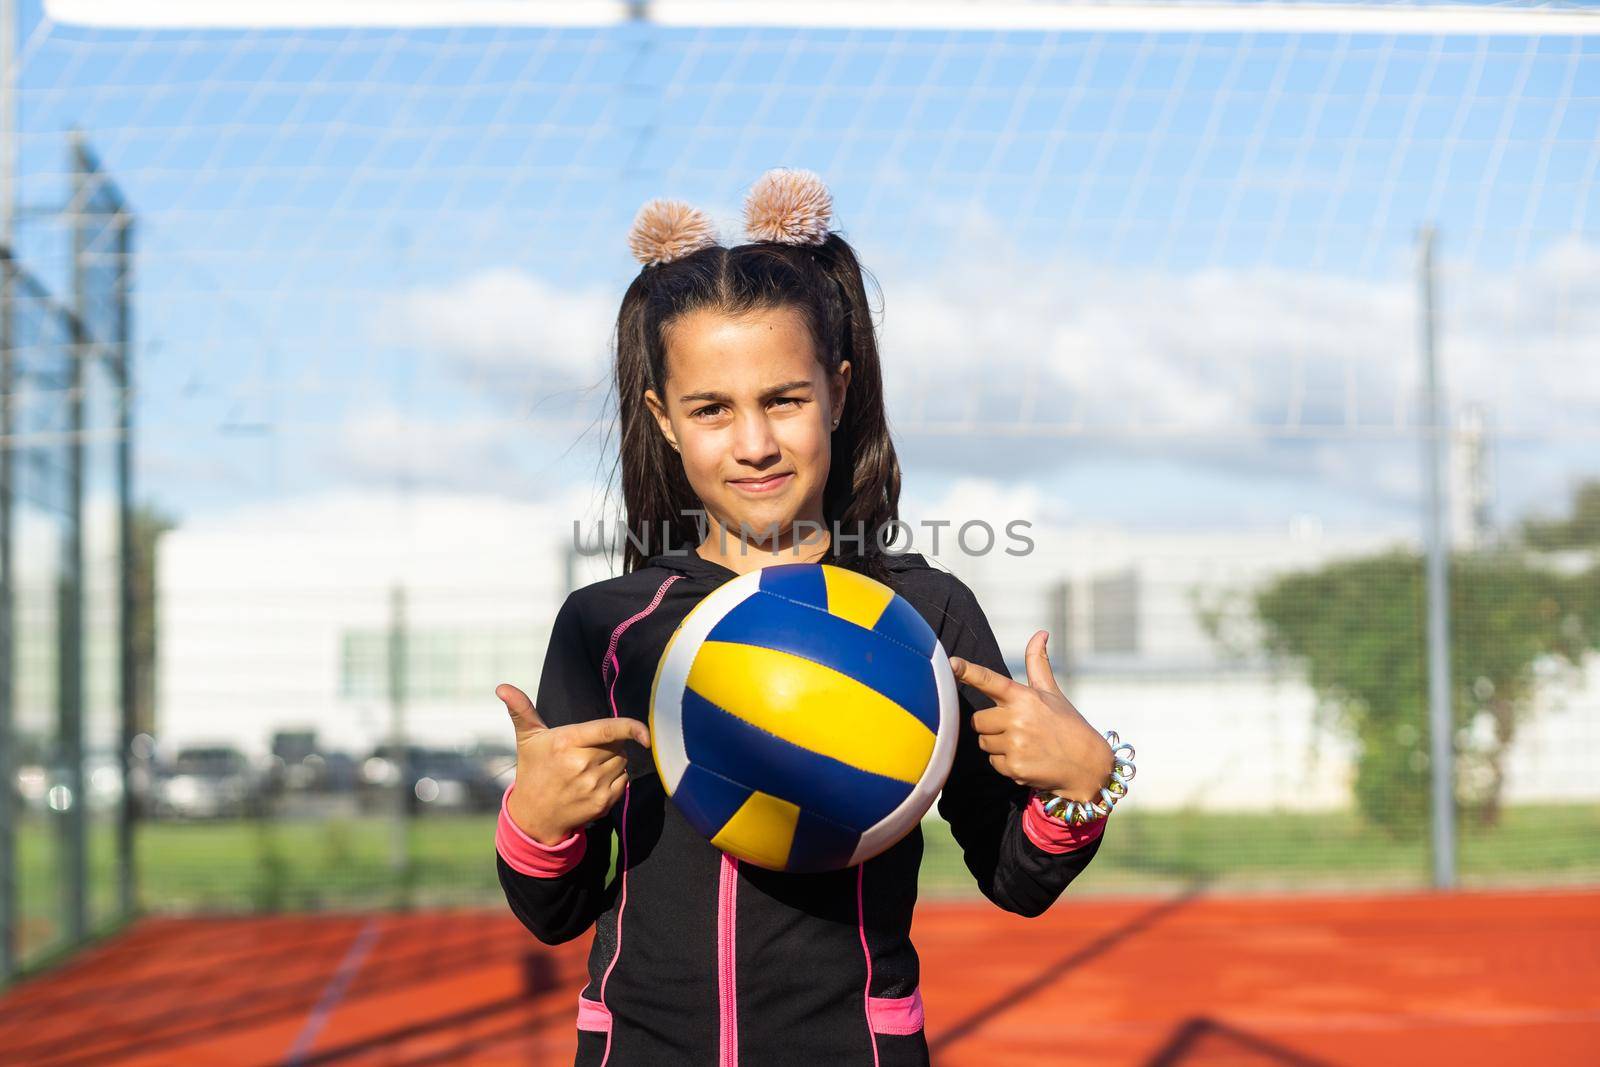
<point x="1193" y="979"/>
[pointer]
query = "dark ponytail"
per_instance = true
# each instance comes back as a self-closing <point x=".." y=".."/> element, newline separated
<point x="863" y="493"/>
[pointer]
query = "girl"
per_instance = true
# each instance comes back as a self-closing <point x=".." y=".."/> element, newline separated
<point x="751" y="405"/>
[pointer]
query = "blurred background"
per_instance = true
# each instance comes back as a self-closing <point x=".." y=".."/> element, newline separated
<point x="306" y="326"/>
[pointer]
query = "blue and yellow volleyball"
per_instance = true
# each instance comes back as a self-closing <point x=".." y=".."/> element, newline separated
<point x="803" y="717"/>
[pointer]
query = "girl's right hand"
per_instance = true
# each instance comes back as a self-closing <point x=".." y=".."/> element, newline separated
<point x="567" y="776"/>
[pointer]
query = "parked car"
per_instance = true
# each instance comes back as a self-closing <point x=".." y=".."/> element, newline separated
<point x="102" y="779"/>
<point x="299" y="765"/>
<point x="499" y="762"/>
<point x="33" y="782"/>
<point x="340" y="772"/>
<point x="433" y="779"/>
<point x="206" y="782"/>
<point x="42" y="788"/>
<point x="294" y="765"/>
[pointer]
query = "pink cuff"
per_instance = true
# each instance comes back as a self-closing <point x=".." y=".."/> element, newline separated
<point x="895" y="1015"/>
<point x="526" y="856"/>
<point x="1055" y="836"/>
<point x="593" y="1015"/>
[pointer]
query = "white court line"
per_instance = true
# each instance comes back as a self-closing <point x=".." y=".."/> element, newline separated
<point x="333" y="992"/>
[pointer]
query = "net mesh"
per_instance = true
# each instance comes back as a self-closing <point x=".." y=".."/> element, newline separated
<point x="1151" y="289"/>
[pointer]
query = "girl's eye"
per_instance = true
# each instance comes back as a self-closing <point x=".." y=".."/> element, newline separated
<point x="711" y="410"/>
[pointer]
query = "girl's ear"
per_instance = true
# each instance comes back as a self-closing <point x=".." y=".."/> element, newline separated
<point x="838" y="385"/>
<point x="653" y="402"/>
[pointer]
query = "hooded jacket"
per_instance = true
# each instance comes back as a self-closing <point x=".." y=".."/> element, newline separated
<point x="699" y="959"/>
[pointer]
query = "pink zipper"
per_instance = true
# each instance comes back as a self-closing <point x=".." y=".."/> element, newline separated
<point x="866" y="954"/>
<point x="727" y="901"/>
<point x="622" y="904"/>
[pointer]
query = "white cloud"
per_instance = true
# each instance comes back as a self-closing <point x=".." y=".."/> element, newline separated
<point x="504" y="326"/>
<point x="962" y="498"/>
<point x="1211" y="368"/>
<point x="1247" y="350"/>
<point x="1239" y="350"/>
<point x="382" y="444"/>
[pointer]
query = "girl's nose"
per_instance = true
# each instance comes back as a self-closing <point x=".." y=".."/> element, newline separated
<point x="753" y="440"/>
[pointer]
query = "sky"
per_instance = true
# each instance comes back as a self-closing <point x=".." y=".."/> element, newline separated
<point x="1149" y="279"/>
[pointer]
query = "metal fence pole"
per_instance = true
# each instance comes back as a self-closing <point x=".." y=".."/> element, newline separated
<point x="74" y="806"/>
<point x="1061" y="646"/>
<point x="10" y="802"/>
<point x="398" y="659"/>
<point x="1435" y="450"/>
<point x="127" y="874"/>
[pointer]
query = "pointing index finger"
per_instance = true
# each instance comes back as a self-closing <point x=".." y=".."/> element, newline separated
<point x="991" y="684"/>
<point x="599" y="733"/>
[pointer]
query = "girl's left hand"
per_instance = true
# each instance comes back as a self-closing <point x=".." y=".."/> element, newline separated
<point x="1033" y="734"/>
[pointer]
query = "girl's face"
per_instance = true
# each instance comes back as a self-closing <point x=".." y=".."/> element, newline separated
<point x="751" y="410"/>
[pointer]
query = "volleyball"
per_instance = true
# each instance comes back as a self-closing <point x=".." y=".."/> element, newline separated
<point x="803" y="717"/>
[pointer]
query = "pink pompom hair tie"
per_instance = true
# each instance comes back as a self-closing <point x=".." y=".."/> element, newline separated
<point x="788" y="206"/>
<point x="665" y="230"/>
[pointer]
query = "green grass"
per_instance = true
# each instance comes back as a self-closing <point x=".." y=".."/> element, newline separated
<point x="335" y="863"/>
<point x="1156" y="851"/>
<point x="40" y="901"/>
<point x="347" y="863"/>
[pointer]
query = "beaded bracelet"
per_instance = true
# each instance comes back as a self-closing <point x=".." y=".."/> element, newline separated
<point x="1077" y="812"/>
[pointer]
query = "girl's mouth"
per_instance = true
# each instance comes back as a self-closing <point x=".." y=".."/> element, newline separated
<point x="762" y="485"/>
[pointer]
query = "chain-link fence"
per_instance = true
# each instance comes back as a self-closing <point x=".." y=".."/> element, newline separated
<point x="1153" y="289"/>
<point x="66" y="707"/>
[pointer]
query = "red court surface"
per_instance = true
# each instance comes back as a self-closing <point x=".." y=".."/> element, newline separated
<point x="1415" y="979"/>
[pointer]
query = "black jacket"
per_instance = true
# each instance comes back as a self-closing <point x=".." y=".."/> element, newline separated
<point x="698" y="959"/>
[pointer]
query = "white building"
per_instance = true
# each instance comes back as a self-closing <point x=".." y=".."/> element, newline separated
<point x="281" y="619"/>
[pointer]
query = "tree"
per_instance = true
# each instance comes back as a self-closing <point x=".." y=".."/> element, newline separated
<point x="1519" y="621"/>
<point x="1579" y="530"/>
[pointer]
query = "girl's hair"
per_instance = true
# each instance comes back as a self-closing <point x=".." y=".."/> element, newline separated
<point x="824" y="283"/>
